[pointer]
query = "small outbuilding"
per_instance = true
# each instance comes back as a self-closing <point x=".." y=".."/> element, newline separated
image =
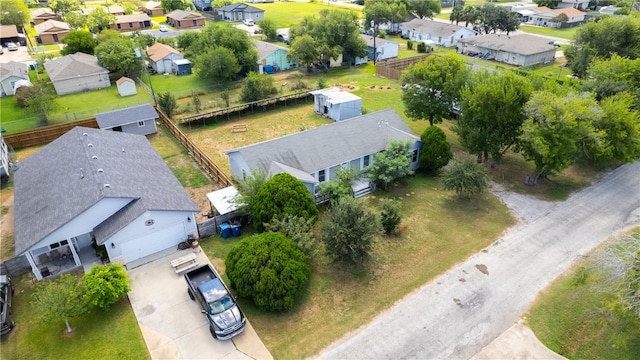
<point x="181" y="67"/>
<point x="126" y="86"/>
<point x="161" y="57"/>
<point x="139" y="120"/>
<point x="336" y="103"/>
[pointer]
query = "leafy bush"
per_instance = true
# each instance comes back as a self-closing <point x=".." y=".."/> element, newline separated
<point x="257" y="87"/>
<point x="322" y="83"/>
<point x="269" y="269"/>
<point x="466" y="177"/>
<point x="409" y="44"/>
<point x="339" y="186"/>
<point x="435" y="152"/>
<point x="390" y="217"/>
<point x="281" y="195"/>
<point x="391" y="164"/>
<point x="106" y="284"/>
<point x="167" y="103"/>
<point x="349" y="230"/>
<point x="297" y="229"/>
<point x="421" y="47"/>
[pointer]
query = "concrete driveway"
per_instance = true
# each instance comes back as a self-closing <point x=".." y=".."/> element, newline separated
<point x="171" y="323"/>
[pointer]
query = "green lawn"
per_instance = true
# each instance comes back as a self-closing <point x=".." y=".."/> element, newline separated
<point x="561" y="33"/>
<point x="287" y="13"/>
<point x="112" y="334"/>
<point x="578" y="321"/>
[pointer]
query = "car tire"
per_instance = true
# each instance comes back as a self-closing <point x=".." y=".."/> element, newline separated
<point x="191" y="295"/>
<point x="213" y="332"/>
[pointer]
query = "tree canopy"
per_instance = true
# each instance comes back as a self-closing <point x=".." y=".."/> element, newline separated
<point x="391" y="164"/>
<point x="608" y="77"/>
<point x="269" y="269"/>
<point x="78" y="41"/>
<point x="170" y="5"/>
<point x="99" y="19"/>
<point x="218" y="36"/>
<point x="75" y="20"/>
<point x="466" y="177"/>
<point x="63" y="7"/>
<point x="433" y="86"/>
<point x="424" y="9"/>
<point x="492" y="113"/>
<point x="217" y="64"/>
<point x="436" y="151"/>
<point x="60" y="298"/>
<point x="282" y="195"/>
<point x="304" y="51"/>
<point x="106" y="284"/>
<point x="257" y="87"/>
<point x="118" y="55"/>
<point x="14" y="12"/>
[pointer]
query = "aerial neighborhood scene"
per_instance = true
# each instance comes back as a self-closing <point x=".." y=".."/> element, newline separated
<point x="326" y="179"/>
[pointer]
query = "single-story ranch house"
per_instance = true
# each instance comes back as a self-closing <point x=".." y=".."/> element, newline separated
<point x="107" y="187"/>
<point x="520" y="50"/>
<point x="272" y="57"/>
<point x="314" y="155"/>
<point x="152" y="8"/>
<point x="161" y="57"/>
<point x="131" y="22"/>
<point x="184" y="19"/>
<point x="442" y="34"/>
<point x="41" y="15"/>
<point x="51" y="31"/>
<point x="77" y="72"/>
<point x="240" y="11"/>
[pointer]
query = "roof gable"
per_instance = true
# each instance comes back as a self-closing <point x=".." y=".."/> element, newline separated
<point x="8" y="31"/>
<point x="43" y="13"/>
<point x="61" y="180"/>
<point x="240" y="7"/>
<point x="159" y="51"/>
<point x="183" y="15"/>
<point x="265" y="48"/>
<point x="13" y="68"/>
<point x="52" y="26"/>
<point x="77" y="64"/>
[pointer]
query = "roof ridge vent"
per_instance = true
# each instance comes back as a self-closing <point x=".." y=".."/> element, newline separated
<point x="94" y="157"/>
<point x="90" y="145"/>
<point x="85" y="134"/>
<point x="100" y="170"/>
<point x="107" y="185"/>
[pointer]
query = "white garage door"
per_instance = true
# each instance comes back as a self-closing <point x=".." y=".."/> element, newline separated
<point x="152" y="243"/>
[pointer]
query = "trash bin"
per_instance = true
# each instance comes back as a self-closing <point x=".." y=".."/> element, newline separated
<point x="225" y="230"/>
<point x="23" y="42"/>
<point x="235" y="230"/>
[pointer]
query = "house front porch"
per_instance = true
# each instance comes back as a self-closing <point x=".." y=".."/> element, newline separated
<point x="49" y="263"/>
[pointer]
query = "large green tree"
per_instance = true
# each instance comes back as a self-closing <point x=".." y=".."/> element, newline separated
<point x="391" y="164"/>
<point x="106" y="284"/>
<point x="349" y="231"/>
<point x="621" y="124"/>
<point x="559" y="131"/>
<point x="608" y="77"/>
<point x="268" y="28"/>
<point x="257" y="87"/>
<point x="118" y="55"/>
<point x="248" y="188"/>
<point x="76" y="20"/>
<point x="217" y="64"/>
<point x="382" y="12"/>
<point x="61" y="298"/>
<point x="227" y="36"/>
<point x="304" y="51"/>
<point x="63" y="7"/>
<point x="14" y="12"/>
<point x="433" y="86"/>
<point x="436" y="151"/>
<point x="601" y="39"/>
<point x="78" y="41"/>
<point x="41" y="100"/>
<point x="457" y="14"/>
<point x="269" y="269"/>
<point x="100" y="20"/>
<point x="492" y="113"/>
<point x="170" y="5"/>
<point x="282" y="195"/>
<point x="424" y="9"/>
<point x="498" y="18"/>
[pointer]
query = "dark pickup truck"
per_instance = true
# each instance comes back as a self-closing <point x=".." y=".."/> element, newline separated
<point x="225" y="318"/>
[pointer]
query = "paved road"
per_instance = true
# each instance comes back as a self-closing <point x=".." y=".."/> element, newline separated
<point x="458" y="313"/>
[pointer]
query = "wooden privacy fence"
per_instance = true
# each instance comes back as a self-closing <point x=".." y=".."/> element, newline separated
<point x="45" y="135"/>
<point x="392" y="69"/>
<point x="203" y="160"/>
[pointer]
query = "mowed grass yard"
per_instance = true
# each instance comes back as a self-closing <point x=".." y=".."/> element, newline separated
<point x="287" y="13"/>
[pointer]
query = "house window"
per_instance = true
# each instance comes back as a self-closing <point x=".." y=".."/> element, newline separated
<point x="140" y="123"/>
<point x="321" y="176"/>
<point x="118" y="26"/>
<point x="130" y="25"/>
<point x="414" y="156"/>
<point x="366" y="160"/>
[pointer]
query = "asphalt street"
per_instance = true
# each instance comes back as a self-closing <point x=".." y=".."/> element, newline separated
<point x="458" y="313"/>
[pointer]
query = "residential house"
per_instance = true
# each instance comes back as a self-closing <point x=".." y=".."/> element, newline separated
<point x="202" y="5"/>
<point x="543" y="16"/>
<point x="131" y="22"/>
<point x="43" y="14"/>
<point x="51" y="31"/>
<point x="109" y="188"/>
<point x="161" y="57"/>
<point x="442" y="34"/>
<point x="336" y="103"/>
<point x="184" y="19"/>
<point x="5" y="160"/>
<point x="8" y="33"/>
<point x="126" y="86"/>
<point x="519" y="50"/>
<point x="576" y="4"/>
<point x="113" y="10"/>
<point x="140" y="120"/>
<point x="272" y="57"/>
<point x="240" y="11"/>
<point x="153" y="8"/>
<point x="382" y="48"/>
<point x="314" y="155"/>
<point x="77" y="72"/>
<point x="10" y="73"/>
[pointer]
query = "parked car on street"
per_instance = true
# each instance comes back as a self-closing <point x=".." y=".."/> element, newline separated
<point x="163" y="28"/>
<point x="6" y="294"/>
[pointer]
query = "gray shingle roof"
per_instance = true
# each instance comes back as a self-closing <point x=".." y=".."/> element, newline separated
<point x="181" y="15"/>
<point x="121" y="19"/>
<point x="369" y="40"/>
<point x="265" y="49"/>
<point x="13" y="68"/>
<point x="109" y="119"/>
<point x="331" y="144"/>
<point x="240" y="7"/>
<point x="73" y="65"/>
<point x="523" y="44"/>
<point x="431" y="27"/>
<point x="60" y="181"/>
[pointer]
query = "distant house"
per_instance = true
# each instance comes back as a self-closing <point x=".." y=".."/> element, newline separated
<point x="336" y="103"/>
<point x="139" y="120"/>
<point x="161" y="57"/>
<point x="8" y="33"/>
<point x="43" y="14"/>
<point x="184" y="19"/>
<point x="113" y="10"/>
<point x="383" y="49"/>
<point x="4" y="159"/>
<point x="153" y="8"/>
<point x="314" y="155"/>
<point x="576" y="4"/>
<point x="202" y="5"/>
<point x="543" y="16"/>
<point x="131" y="22"/>
<point x="77" y="72"/>
<point x="520" y="50"/>
<point x="126" y="86"/>
<point x="240" y="11"/>
<point x="272" y="57"/>
<point x="442" y="34"/>
<point x="51" y="31"/>
<point x="10" y="74"/>
<point x="107" y="188"/>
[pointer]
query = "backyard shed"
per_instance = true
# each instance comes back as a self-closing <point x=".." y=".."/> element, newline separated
<point x="126" y="86"/>
<point x="336" y="104"/>
<point x="181" y="67"/>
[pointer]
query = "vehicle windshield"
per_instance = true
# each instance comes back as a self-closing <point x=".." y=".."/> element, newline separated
<point x="221" y="305"/>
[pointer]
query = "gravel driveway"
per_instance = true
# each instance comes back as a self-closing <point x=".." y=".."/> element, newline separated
<point x="460" y="312"/>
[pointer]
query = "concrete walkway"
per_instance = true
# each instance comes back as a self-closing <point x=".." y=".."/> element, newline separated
<point x="171" y="323"/>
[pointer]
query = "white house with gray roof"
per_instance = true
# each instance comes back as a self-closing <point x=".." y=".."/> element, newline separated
<point x="314" y="155"/>
<point x="77" y="72"/>
<point x="139" y="120"/>
<point x="442" y="34"/>
<point x="519" y="50"/>
<point x="91" y="184"/>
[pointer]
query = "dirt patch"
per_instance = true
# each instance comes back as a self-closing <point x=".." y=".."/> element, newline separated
<point x="347" y="87"/>
<point x="380" y="87"/>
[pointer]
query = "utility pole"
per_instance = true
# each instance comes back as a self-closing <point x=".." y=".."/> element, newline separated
<point x="373" y="26"/>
